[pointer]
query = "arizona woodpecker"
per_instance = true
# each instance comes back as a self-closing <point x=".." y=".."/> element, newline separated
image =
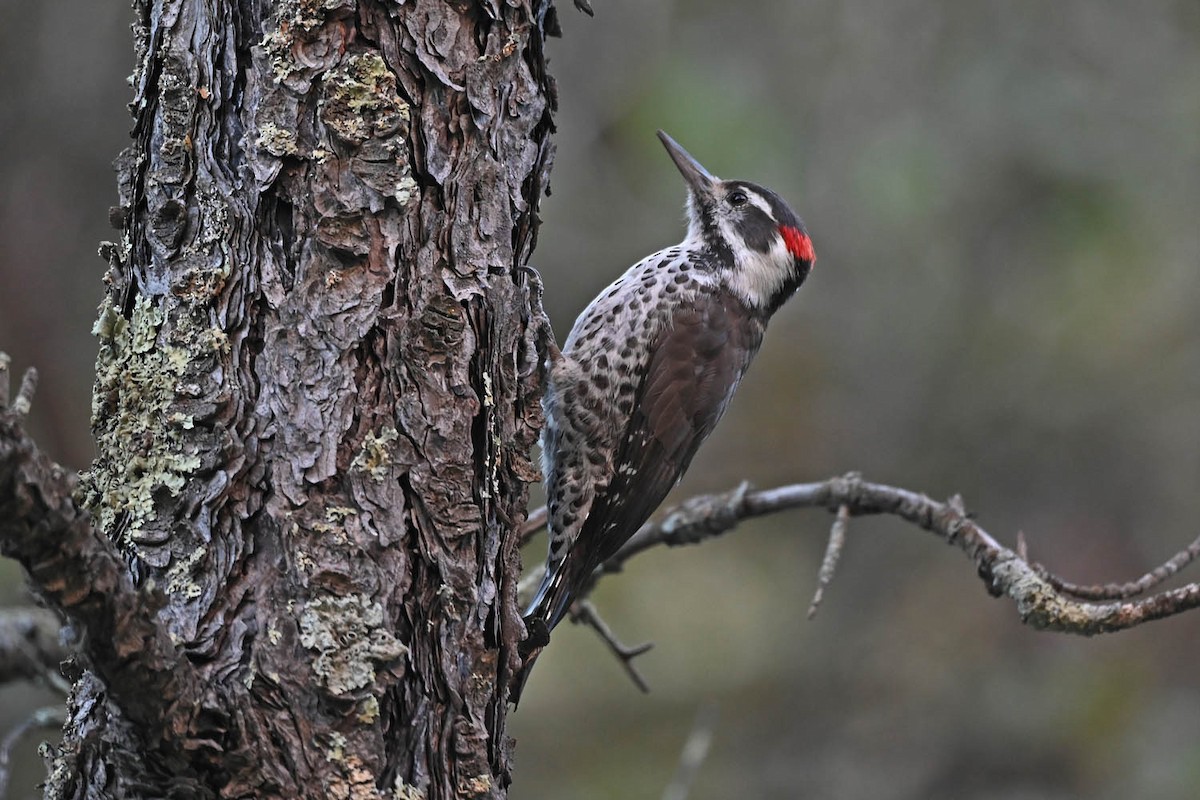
<point x="649" y="368"/>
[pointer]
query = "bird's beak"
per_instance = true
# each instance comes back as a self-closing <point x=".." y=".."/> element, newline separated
<point x="699" y="180"/>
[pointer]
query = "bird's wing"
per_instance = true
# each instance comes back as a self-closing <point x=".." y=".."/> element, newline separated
<point x="696" y="363"/>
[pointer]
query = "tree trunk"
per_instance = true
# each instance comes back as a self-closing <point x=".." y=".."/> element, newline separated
<point x="316" y="395"/>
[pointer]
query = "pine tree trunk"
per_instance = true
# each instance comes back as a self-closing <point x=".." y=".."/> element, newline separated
<point x="316" y="395"/>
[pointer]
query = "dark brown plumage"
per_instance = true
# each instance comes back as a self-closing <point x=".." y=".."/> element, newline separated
<point x="648" y="370"/>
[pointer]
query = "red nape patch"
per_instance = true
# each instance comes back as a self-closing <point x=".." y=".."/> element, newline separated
<point x="798" y="244"/>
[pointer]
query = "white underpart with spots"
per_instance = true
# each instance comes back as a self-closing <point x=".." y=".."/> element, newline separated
<point x="599" y="370"/>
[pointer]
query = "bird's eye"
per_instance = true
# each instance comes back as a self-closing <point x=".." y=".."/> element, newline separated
<point x="737" y="198"/>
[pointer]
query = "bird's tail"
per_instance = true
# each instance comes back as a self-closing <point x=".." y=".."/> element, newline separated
<point x="552" y="599"/>
<point x="518" y="681"/>
<point x="548" y="607"/>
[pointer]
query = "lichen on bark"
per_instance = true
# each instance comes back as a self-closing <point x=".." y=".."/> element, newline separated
<point x="317" y="389"/>
<point x="144" y="454"/>
<point x="349" y="636"/>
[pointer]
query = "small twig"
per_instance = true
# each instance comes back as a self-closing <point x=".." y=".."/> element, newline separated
<point x="5" y="363"/>
<point x="583" y="611"/>
<point x="1124" y="591"/>
<point x="76" y="569"/>
<point x="49" y="717"/>
<point x="833" y="551"/>
<point x="695" y="751"/>
<point x="24" y="399"/>
<point x="20" y="404"/>
<point x="31" y="647"/>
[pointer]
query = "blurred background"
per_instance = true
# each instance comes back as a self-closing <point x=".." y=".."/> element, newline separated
<point x="1005" y="200"/>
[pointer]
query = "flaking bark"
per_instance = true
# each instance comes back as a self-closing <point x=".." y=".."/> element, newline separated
<point x="317" y="390"/>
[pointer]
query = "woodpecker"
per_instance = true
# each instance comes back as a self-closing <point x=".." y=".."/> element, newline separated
<point x="649" y="368"/>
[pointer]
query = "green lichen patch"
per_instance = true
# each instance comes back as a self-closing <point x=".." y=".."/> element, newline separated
<point x="349" y="637"/>
<point x="215" y="226"/>
<point x="337" y="748"/>
<point x="475" y="786"/>
<point x="339" y="513"/>
<point x="360" y="106"/>
<point x="359" y="100"/>
<point x="277" y="141"/>
<point x="368" y="711"/>
<point x="216" y="340"/>
<point x="334" y="523"/>
<point x="404" y="791"/>
<point x="200" y="286"/>
<point x="355" y="782"/>
<point x="278" y="47"/>
<point x="140" y="435"/>
<point x="307" y="15"/>
<point x="295" y="20"/>
<point x="376" y="454"/>
<point x="179" y="576"/>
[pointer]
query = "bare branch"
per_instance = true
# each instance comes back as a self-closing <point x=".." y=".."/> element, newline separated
<point x="1043" y="600"/>
<point x="24" y="399"/>
<point x="691" y="522"/>
<point x="1123" y="591"/>
<point x="76" y="569"/>
<point x="5" y="363"/>
<point x="833" y="551"/>
<point x="583" y="611"/>
<point x="1039" y="602"/>
<point x="533" y="523"/>
<point x="30" y="646"/>
<point x="20" y="404"/>
<point x="48" y="717"/>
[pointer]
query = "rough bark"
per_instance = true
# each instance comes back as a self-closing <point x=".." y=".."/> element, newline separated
<point x="316" y="394"/>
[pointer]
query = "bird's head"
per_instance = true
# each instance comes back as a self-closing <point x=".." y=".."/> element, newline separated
<point x="752" y="232"/>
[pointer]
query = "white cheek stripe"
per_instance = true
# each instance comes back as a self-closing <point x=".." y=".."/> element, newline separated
<point x="757" y="277"/>
<point x="760" y="202"/>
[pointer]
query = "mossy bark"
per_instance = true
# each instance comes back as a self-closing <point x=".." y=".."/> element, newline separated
<point x="316" y="395"/>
